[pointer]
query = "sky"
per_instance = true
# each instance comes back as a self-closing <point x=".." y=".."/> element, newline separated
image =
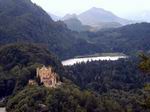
<point x="121" y="8"/>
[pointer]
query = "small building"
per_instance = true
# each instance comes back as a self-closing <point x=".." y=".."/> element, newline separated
<point x="47" y="76"/>
<point x="32" y="82"/>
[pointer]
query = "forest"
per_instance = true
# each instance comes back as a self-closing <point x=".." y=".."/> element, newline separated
<point x="29" y="38"/>
<point x="25" y="22"/>
<point x="98" y="86"/>
<point x="18" y="64"/>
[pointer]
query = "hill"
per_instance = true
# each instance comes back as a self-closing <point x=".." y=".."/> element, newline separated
<point x="23" y="21"/>
<point x="114" y="86"/>
<point x="129" y="39"/>
<point x="75" y="25"/>
<point x="18" y="64"/>
<point x="54" y="17"/>
<point x="69" y="16"/>
<point x="98" y="15"/>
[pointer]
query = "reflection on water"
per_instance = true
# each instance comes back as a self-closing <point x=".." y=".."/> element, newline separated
<point x="73" y="61"/>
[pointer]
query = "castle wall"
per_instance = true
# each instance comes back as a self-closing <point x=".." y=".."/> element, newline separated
<point x="47" y="76"/>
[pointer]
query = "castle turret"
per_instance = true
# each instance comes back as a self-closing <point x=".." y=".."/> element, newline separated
<point x="47" y="76"/>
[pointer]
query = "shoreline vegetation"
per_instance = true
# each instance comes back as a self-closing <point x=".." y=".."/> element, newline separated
<point x="101" y="55"/>
<point x="94" y="57"/>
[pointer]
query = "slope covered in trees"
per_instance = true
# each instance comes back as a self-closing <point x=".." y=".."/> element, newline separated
<point x="122" y="81"/>
<point x="110" y="87"/>
<point x="102" y="76"/>
<point x="23" y="21"/>
<point x="18" y="64"/>
<point x="129" y="39"/>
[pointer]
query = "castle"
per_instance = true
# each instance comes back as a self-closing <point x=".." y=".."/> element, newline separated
<point x="47" y="76"/>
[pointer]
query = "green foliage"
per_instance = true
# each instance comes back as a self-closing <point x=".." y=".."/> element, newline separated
<point x="145" y="63"/>
<point x="18" y="64"/>
<point x="67" y="98"/>
<point x="22" y="21"/>
<point x="128" y="39"/>
<point x="119" y="83"/>
<point x="102" y="76"/>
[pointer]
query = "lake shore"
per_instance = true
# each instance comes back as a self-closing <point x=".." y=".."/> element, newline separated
<point x="101" y="55"/>
<point x="84" y="59"/>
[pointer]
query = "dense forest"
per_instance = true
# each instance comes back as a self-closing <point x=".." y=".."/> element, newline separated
<point x="123" y="81"/>
<point x="18" y="64"/>
<point x="29" y="38"/>
<point x="102" y="86"/>
<point x="103" y="76"/>
<point x="23" y="21"/>
<point x="128" y="39"/>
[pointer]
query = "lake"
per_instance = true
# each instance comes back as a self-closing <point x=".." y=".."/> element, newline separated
<point x="73" y="61"/>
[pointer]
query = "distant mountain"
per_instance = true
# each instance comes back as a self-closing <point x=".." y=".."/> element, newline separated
<point x="98" y="15"/>
<point x="22" y="21"/>
<point x="106" y="25"/>
<point x="54" y="17"/>
<point x="75" y="25"/>
<point x="96" y="18"/>
<point x="69" y="16"/>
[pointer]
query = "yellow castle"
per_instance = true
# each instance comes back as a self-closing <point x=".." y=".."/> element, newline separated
<point x="47" y="76"/>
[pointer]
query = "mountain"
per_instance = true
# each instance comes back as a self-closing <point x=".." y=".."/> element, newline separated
<point x="96" y="18"/>
<point x="69" y="16"/>
<point x="22" y="21"/>
<point x="75" y="25"/>
<point x="18" y="63"/>
<point x="130" y="39"/>
<point x="54" y="17"/>
<point x="98" y="15"/>
<point x="106" y="25"/>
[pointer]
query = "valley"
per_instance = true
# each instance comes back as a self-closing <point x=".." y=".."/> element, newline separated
<point x="94" y="61"/>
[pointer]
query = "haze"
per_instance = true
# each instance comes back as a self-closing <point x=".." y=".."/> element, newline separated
<point x="121" y="8"/>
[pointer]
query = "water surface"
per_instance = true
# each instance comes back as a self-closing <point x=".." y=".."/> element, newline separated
<point x="73" y="61"/>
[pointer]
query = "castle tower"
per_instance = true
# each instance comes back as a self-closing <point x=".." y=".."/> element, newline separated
<point x="47" y="76"/>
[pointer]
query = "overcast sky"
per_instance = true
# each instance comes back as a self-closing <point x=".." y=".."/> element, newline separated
<point x="120" y="7"/>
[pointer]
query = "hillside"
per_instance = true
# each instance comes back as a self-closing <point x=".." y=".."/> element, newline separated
<point x="23" y="21"/>
<point x="18" y="64"/>
<point x="75" y="25"/>
<point x="98" y="15"/>
<point x="54" y="17"/>
<point x="96" y="18"/>
<point x="69" y="16"/>
<point x="129" y="39"/>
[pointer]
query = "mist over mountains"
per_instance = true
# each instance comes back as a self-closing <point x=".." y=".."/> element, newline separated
<point x="30" y="38"/>
<point x="24" y="21"/>
<point x="96" y="18"/>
